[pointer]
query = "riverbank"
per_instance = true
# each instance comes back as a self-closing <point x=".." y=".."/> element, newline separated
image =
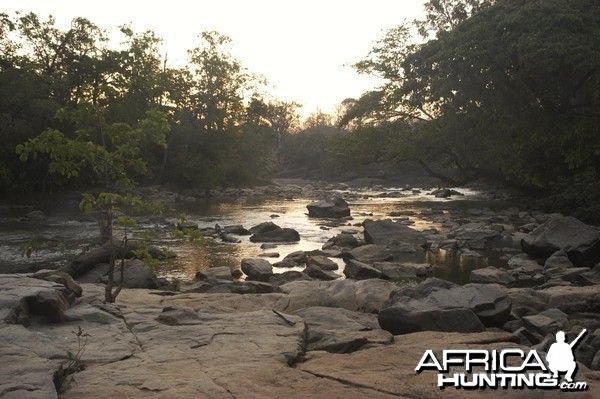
<point x="351" y="318"/>
<point x="287" y="344"/>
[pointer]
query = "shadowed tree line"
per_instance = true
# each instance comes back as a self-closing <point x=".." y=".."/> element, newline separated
<point x="477" y="89"/>
<point x="507" y="90"/>
<point x="81" y="113"/>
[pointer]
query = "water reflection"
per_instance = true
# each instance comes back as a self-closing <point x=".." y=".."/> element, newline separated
<point x="417" y="210"/>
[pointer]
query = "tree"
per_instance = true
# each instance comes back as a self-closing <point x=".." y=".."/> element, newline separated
<point x="219" y="82"/>
<point x="65" y="60"/>
<point x="109" y="153"/>
<point x="510" y="92"/>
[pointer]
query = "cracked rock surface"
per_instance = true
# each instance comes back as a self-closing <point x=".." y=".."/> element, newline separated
<point x="194" y="345"/>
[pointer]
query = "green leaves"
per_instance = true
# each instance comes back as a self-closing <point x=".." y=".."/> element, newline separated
<point x="506" y="89"/>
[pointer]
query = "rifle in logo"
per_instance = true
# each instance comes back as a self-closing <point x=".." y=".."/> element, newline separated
<point x="560" y="356"/>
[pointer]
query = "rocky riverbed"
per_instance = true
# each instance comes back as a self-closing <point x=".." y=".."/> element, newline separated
<point x="349" y="319"/>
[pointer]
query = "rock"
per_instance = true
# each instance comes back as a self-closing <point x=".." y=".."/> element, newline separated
<point x="341" y="330"/>
<point x="257" y="269"/>
<point x="322" y="261"/>
<point x="445" y="193"/>
<point x="413" y="316"/>
<point x="342" y="240"/>
<point x="558" y="276"/>
<point x="242" y="287"/>
<point x="526" y="337"/>
<point x="270" y="232"/>
<point x="441" y="306"/>
<point x="384" y="232"/>
<point x="264" y="228"/>
<point x="392" y="367"/>
<point x="591" y="277"/>
<point x="547" y="322"/>
<point x="229" y="238"/>
<point x="491" y="275"/>
<point x="403" y="271"/>
<point x="136" y="275"/>
<point x="317" y="273"/>
<point x="286" y="263"/>
<point x="168" y="365"/>
<point x="558" y="260"/>
<point x="237" y="229"/>
<point x="178" y="316"/>
<point x="475" y="232"/>
<point x="360" y="271"/>
<point x="223" y="345"/>
<point x="523" y="268"/>
<point x="269" y="255"/>
<point x="71" y="289"/>
<point x="527" y="301"/>
<point x="23" y="298"/>
<point x="336" y="208"/>
<point x="213" y="274"/>
<point x="288" y="277"/>
<point x="370" y="253"/>
<point x="573" y="299"/>
<point x="580" y="241"/>
<point x="362" y="296"/>
<point x="298" y="257"/>
<point x="36" y="216"/>
<point x="101" y="255"/>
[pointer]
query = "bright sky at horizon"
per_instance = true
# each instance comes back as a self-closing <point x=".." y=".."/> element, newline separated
<point x="303" y="48"/>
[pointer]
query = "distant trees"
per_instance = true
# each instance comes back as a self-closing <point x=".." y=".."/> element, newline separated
<point x="504" y="89"/>
<point x="69" y="102"/>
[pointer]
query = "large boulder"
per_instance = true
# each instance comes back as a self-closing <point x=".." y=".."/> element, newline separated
<point x="439" y="305"/>
<point x="22" y="298"/>
<point x="316" y="272"/>
<point x="580" y="241"/>
<point x="342" y="240"/>
<point x="257" y="269"/>
<point x="270" y="232"/>
<point x="385" y="232"/>
<point x="321" y="261"/>
<point x="138" y="275"/>
<point x="360" y="271"/>
<point x="334" y="208"/>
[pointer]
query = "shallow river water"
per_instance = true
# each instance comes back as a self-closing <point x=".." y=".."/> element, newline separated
<point x="67" y="232"/>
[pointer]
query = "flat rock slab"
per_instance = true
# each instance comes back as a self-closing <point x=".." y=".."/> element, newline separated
<point x="188" y="345"/>
<point x="390" y="370"/>
<point x="340" y="330"/>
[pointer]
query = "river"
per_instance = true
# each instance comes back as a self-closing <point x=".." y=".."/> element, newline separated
<point x="66" y="232"/>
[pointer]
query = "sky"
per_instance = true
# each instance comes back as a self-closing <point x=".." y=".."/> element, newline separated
<point x="304" y="48"/>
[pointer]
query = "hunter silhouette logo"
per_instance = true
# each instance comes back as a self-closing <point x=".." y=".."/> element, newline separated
<point x="506" y="368"/>
<point x="560" y="356"/>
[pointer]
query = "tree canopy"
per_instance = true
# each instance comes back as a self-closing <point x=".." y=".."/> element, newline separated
<point x="504" y="89"/>
<point x="74" y="110"/>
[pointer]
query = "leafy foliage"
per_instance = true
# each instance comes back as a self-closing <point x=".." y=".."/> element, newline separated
<point x="79" y="112"/>
<point x="507" y="90"/>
